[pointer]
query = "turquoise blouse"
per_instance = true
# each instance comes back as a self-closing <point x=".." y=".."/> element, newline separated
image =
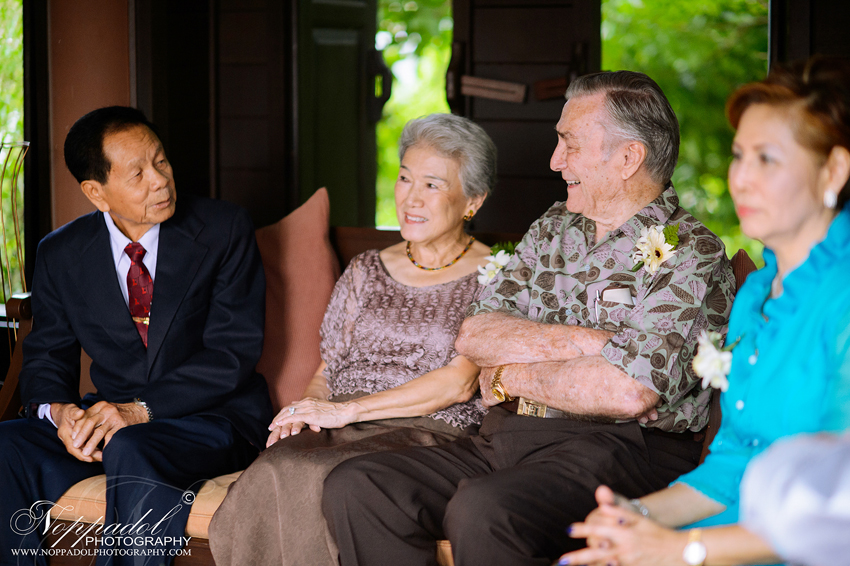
<point x="790" y="373"/>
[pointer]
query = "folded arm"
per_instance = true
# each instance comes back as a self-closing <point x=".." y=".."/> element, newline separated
<point x="496" y="338"/>
<point x="588" y="386"/>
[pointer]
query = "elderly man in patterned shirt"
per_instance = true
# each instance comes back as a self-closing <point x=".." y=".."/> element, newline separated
<point x="585" y="341"/>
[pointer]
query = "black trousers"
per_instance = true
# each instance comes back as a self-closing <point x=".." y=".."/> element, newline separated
<point x="505" y="496"/>
<point x="153" y="472"/>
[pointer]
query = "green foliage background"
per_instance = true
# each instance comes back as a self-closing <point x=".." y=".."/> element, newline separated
<point x="421" y="33"/>
<point x="11" y="117"/>
<point x="698" y="51"/>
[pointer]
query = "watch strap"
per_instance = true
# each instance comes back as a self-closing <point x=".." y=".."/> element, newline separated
<point x="695" y="551"/>
<point x="496" y="387"/>
<point x="145" y="406"/>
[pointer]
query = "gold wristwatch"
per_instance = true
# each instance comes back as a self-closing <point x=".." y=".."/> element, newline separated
<point x="497" y="388"/>
<point x="695" y="552"/>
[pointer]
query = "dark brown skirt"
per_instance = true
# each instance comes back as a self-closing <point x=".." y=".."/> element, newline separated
<point x="272" y="514"/>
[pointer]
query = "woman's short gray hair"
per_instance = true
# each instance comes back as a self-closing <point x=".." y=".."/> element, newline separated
<point x="457" y="138"/>
<point x="639" y="111"/>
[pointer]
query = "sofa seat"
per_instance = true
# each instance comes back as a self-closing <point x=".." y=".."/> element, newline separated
<point x="87" y="499"/>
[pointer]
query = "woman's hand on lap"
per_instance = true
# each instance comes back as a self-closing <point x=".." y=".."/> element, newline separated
<point x="317" y="414"/>
<point x="279" y="432"/>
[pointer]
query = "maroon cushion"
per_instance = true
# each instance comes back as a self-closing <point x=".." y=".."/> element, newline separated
<point x="301" y="270"/>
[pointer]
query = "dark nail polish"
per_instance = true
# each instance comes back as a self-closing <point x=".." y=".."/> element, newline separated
<point x="570" y="530"/>
<point x="564" y="561"/>
<point x="621" y="521"/>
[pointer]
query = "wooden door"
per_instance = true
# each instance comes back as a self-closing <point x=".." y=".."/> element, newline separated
<point x="538" y="44"/>
<point x="335" y="128"/>
<point x="802" y="28"/>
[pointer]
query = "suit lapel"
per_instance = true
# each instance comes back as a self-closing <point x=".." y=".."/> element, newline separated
<point x="178" y="260"/>
<point x="97" y="282"/>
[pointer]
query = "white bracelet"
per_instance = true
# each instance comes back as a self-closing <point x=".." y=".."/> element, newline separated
<point x="639" y="507"/>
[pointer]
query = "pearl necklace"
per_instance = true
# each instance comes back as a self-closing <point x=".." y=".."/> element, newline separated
<point x="454" y="261"/>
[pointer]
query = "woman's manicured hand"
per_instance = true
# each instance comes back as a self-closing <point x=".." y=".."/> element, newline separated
<point x="316" y="414"/>
<point x="618" y="536"/>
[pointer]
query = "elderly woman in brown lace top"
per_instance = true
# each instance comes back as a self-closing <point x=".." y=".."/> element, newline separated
<point x="390" y="376"/>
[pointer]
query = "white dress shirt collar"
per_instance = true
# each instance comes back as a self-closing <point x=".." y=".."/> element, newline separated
<point x="118" y="241"/>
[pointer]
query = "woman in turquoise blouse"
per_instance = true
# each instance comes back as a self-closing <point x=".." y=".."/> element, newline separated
<point x="790" y="369"/>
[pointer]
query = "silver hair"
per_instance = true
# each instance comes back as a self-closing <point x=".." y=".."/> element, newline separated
<point x="457" y="138"/>
<point x="638" y="111"/>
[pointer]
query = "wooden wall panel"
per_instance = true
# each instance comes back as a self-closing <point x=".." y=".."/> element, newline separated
<point x="89" y="68"/>
<point x="522" y="42"/>
<point x="254" y="125"/>
<point x="336" y="137"/>
<point x="802" y="28"/>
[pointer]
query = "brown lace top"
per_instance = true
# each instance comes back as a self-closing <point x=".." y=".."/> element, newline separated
<point x="378" y="333"/>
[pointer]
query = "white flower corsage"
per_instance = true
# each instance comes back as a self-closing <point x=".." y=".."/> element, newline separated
<point x="713" y="362"/>
<point x="656" y="245"/>
<point x="502" y="254"/>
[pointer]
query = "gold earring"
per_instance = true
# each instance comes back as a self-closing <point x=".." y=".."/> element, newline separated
<point x="469" y="215"/>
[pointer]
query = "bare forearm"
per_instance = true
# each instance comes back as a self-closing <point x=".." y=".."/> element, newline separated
<point x="436" y="390"/>
<point x="318" y="386"/>
<point x="494" y="339"/>
<point x="584" y="386"/>
<point x="733" y="544"/>
<point x="680" y="505"/>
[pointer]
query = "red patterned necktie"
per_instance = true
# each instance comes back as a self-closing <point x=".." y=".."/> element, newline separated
<point x="139" y="289"/>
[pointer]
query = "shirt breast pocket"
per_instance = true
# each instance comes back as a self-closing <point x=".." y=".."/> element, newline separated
<point x="611" y="316"/>
<point x="611" y="305"/>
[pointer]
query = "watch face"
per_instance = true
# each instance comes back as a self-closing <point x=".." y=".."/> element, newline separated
<point x="694" y="554"/>
<point x="497" y="393"/>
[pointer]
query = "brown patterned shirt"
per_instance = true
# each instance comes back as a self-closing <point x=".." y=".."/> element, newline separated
<point x="559" y="275"/>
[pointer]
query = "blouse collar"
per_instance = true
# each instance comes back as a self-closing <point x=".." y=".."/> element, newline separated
<point x="797" y="284"/>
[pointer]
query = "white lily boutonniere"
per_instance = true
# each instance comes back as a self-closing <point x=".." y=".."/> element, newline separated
<point x="656" y="245"/>
<point x="502" y="254"/>
<point x="713" y="362"/>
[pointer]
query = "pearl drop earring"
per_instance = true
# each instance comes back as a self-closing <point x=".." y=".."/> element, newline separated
<point x="830" y="199"/>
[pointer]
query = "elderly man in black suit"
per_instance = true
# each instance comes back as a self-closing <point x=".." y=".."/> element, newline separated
<point x="177" y="400"/>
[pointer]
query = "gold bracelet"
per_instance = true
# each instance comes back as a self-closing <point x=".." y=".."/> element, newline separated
<point x="497" y="389"/>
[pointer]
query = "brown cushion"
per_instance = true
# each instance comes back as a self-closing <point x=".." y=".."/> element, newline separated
<point x="207" y="501"/>
<point x="86" y="501"/>
<point x="301" y="270"/>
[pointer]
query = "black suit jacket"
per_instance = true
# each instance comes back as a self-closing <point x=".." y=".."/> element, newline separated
<point x="206" y="323"/>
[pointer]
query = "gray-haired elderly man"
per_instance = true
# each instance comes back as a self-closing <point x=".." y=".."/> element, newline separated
<point x="585" y="360"/>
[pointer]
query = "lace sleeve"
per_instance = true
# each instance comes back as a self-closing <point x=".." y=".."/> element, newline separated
<point x="338" y="324"/>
